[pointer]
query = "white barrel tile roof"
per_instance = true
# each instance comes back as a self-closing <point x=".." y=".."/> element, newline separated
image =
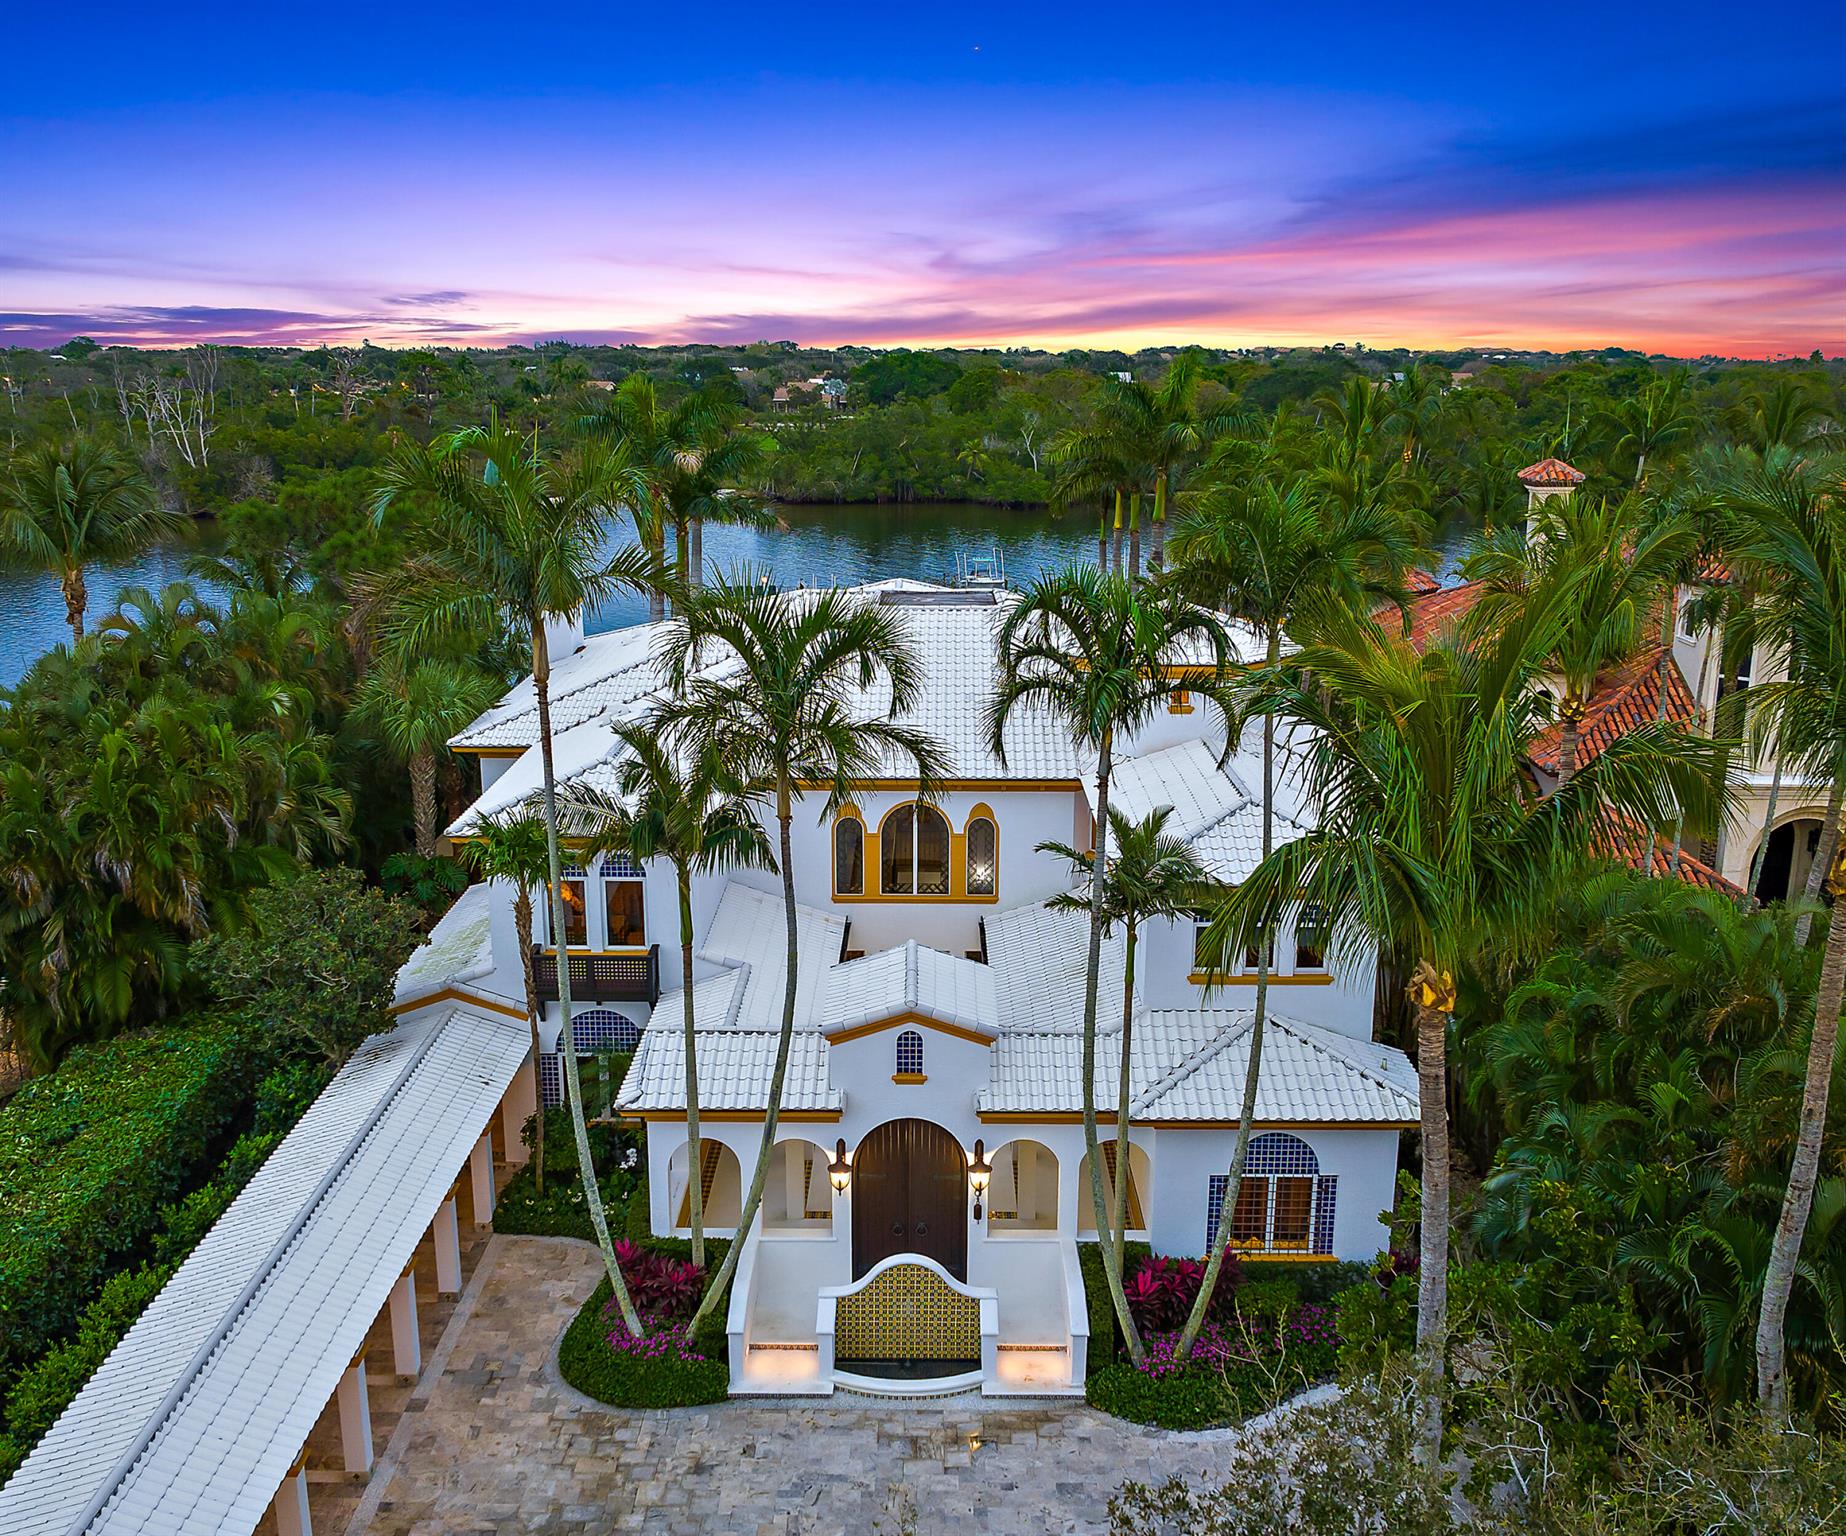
<point x="734" y="1071"/>
<point x="911" y="978"/>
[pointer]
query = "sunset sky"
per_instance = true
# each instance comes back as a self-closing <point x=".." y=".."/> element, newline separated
<point x="1666" y="178"/>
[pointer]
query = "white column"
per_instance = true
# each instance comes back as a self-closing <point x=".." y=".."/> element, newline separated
<point x="406" y="1344"/>
<point x="481" y="1176"/>
<point x="520" y="1102"/>
<point x="291" y="1503"/>
<point x="355" y="1419"/>
<point x="448" y="1249"/>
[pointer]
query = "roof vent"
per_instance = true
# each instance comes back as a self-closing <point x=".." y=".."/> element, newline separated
<point x="946" y="597"/>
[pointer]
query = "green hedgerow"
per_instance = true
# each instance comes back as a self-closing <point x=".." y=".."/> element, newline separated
<point x="667" y="1380"/>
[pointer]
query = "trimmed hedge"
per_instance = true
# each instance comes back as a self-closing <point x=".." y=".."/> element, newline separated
<point x="1105" y="1332"/>
<point x="587" y="1362"/>
<point x="89" y="1156"/>
<point x="561" y="1212"/>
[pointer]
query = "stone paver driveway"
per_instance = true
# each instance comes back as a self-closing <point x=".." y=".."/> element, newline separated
<point x="494" y="1441"/>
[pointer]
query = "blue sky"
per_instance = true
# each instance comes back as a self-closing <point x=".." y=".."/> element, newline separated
<point x="1655" y="177"/>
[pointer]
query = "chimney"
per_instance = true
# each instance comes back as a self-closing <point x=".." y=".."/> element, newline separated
<point x="1545" y="479"/>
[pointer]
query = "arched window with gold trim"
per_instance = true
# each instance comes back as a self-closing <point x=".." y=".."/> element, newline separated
<point x="983" y="855"/>
<point x="849" y="857"/>
<point x="913" y="852"/>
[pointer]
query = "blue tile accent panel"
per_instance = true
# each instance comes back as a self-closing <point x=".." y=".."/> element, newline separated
<point x="1276" y="1152"/>
<point x="570" y="872"/>
<point x="1326" y="1190"/>
<point x="551" y="1079"/>
<point x="618" y="866"/>
<point x="596" y="1030"/>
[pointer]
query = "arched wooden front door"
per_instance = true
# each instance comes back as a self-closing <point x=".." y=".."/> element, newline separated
<point x="910" y="1193"/>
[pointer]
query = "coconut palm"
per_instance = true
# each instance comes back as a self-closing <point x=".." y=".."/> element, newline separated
<point x="1102" y="657"/>
<point x="511" y="846"/>
<point x="1271" y="552"/>
<point x="1787" y="521"/>
<point x="805" y="691"/>
<point x="1413" y="405"/>
<point x="692" y="814"/>
<point x="63" y="508"/>
<point x="514" y="539"/>
<point x="1153" y="874"/>
<point x="1429" y="846"/>
<point x="1095" y="460"/>
<point x="1780" y="414"/>
<point x="414" y="706"/>
<point x="1650" y="424"/>
<point x="1619" y="560"/>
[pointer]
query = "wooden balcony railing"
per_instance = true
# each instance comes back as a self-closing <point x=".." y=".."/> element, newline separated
<point x="629" y="978"/>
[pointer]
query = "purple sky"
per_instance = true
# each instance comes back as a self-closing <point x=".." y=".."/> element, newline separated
<point x="1057" y="177"/>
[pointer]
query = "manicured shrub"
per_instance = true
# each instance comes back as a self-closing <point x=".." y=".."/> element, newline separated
<point x="1321" y="1281"/>
<point x="1161" y="1290"/>
<point x="620" y="1175"/>
<point x="667" y="1367"/>
<point x="90" y="1153"/>
<point x="284" y="1095"/>
<point x="1105" y="1333"/>
<point x="662" y="1287"/>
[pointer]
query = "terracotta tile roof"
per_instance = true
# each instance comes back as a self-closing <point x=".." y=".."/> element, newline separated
<point x="1420" y="583"/>
<point x="1630" y="844"/>
<point x="1626" y="697"/>
<point x="1436" y="609"/>
<point x="1550" y="472"/>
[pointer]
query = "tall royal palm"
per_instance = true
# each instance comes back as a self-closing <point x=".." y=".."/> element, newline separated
<point x="693" y="814"/>
<point x="1153" y="874"/>
<point x="1650" y="425"/>
<point x="1103" y="657"/>
<point x="512" y="847"/>
<point x="804" y="691"/>
<point x="61" y="509"/>
<point x="1787" y="520"/>
<point x="414" y="706"/>
<point x="1272" y="552"/>
<point x="515" y="539"/>
<point x="1429" y="845"/>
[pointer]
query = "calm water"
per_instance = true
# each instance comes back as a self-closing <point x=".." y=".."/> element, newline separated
<point x="819" y="545"/>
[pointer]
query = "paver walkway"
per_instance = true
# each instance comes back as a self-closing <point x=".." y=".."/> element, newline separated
<point x="493" y="1440"/>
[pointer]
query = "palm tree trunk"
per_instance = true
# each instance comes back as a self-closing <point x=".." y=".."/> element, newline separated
<point x="1433" y="993"/>
<point x="656" y="590"/>
<point x="1571" y="716"/>
<point x="1134" y="539"/>
<point x="1157" y="534"/>
<point x="1253" y="1069"/>
<point x="1798" y="1199"/>
<point x="784" y="816"/>
<point x="567" y="1043"/>
<point x="1102" y="542"/>
<point x="1762" y="844"/>
<point x="1115" y="546"/>
<point x="1124" y="1160"/>
<point x="695" y="1191"/>
<point x="423" y="801"/>
<point x="76" y="599"/>
<point x="1111" y="1253"/>
<point x="1823" y="861"/>
<point x="696" y="564"/>
<point x="522" y="926"/>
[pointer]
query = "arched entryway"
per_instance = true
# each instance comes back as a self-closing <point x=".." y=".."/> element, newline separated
<point x="1788" y="858"/>
<point x="910" y="1195"/>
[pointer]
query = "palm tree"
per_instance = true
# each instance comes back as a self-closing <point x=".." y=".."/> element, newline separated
<point x="1621" y="564"/>
<point x="1272" y="553"/>
<point x="512" y="846"/>
<point x="415" y="706"/>
<point x="1103" y="657"/>
<point x="694" y="816"/>
<point x="1651" y="423"/>
<point x="1781" y="414"/>
<point x="62" y="508"/>
<point x="798" y="701"/>
<point x="1413" y="404"/>
<point x="1787" y="521"/>
<point x="1095" y="460"/>
<point x="1429" y="846"/>
<point x="515" y="539"/>
<point x="1153" y="875"/>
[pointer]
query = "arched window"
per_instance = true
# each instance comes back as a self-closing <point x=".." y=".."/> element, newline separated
<point x="983" y="857"/>
<point x="720" y="1185"/>
<point x="913" y="852"/>
<point x="849" y="857"/>
<point x="1140" y="1182"/>
<point x="1024" y="1191"/>
<point x="797" y="1196"/>
<point x="1284" y="1204"/>
<point x="910" y="1054"/>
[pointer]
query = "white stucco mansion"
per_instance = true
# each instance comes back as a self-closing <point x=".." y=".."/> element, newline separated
<point x="939" y="1019"/>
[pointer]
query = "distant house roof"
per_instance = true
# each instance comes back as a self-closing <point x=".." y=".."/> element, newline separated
<point x="1438" y="610"/>
<point x="1420" y="583"/>
<point x="1626" y="697"/>
<point x="1628" y="843"/>
<point x="1550" y="472"/>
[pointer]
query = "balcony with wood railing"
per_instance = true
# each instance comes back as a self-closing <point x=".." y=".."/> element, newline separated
<point x="629" y="977"/>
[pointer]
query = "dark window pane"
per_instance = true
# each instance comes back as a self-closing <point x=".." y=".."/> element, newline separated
<point x="932" y="852"/>
<point x="910" y="1052"/>
<point x="623" y="906"/>
<point x="1311" y="939"/>
<point x="983" y="865"/>
<point x="849" y="858"/>
<point x="896" y="848"/>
